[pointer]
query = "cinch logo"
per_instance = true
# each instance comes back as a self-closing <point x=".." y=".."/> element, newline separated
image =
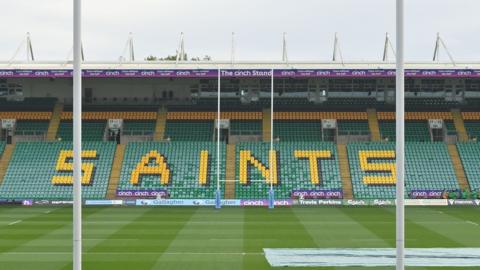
<point x="323" y="73"/>
<point x="183" y="73"/>
<point x="6" y="73"/>
<point x="112" y="73"/>
<point x="41" y="73"/>
<point x="359" y="73"/>
<point x="463" y="73"/>
<point x="148" y="73"/>
<point x="429" y="73"/>
<point x="288" y="73"/>
<point x="253" y="203"/>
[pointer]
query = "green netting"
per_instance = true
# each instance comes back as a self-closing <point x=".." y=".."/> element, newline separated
<point x="183" y="159"/>
<point x="298" y="130"/>
<point x="91" y="130"/>
<point x="24" y="127"/>
<point x="189" y="130"/>
<point x="32" y="167"/>
<point x="470" y="156"/>
<point x="293" y="173"/>
<point x="427" y="165"/>
<point x="415" y="131"/>
<point x="138" y="127"/>
<point x="245" y="127"/>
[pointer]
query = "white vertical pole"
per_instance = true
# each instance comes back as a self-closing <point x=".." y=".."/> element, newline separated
<point x="77" y="136"/>
<point x="218" y="132"/>
<point x="400" y="144"/>
<point x="77" y="139"/>
<point x="271" y="133"/>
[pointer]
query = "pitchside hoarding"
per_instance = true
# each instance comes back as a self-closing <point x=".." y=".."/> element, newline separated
<point x="142" y="193"/>
<point x="239" y="73"/>
<point x="317" y="194"/>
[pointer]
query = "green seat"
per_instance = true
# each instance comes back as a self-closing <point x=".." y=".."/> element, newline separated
<point x="470" y="157"/>
<point x="189" y="130"/>
<point x="91" y="130"/>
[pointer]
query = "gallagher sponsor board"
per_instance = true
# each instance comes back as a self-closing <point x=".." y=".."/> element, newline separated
<point x="186" y="202"/>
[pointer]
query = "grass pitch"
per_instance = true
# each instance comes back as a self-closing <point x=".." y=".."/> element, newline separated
<point x="144" y="238"/>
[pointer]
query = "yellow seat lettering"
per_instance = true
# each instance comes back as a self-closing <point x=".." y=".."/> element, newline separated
<point x="313" y="157"/>
<point x="270" y="174"/>
<point x="63" y="165"/>
<point x="143" y="168"/>
<point x="366" y="165"/>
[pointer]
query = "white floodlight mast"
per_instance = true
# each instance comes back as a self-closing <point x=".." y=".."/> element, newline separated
<point x="77" y="136"/>
<point x="400" y="137"/>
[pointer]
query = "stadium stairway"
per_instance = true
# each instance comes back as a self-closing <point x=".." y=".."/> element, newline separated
<point x="345" y="171"/>
<point x="230" y="173"/>
<point x="459" y="125"/>
<point x="373" y="124"/>
<point x="54" y="121"/>
<point x="160" y="124"/>
<point x="266" y="124"/>
<point x="5" y="160"/>
<point x="458" y="167"/>
<point x="116" y="170"/>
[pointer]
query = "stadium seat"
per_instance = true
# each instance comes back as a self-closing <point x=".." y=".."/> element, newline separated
<point x="189" y="130"/>
<point x="91" y="130"/>
<point x="470" y="156"/>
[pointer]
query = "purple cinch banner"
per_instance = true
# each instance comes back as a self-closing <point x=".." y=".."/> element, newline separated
<point x="239" y="73"/>
<point x="426" y="194"/>
<point x="317" y="194"/>
<point x="142" y="193"/>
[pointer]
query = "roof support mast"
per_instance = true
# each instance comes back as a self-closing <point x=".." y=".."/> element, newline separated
<point x="128" y="53"/>
<point x="181" y="56"/>
<point x="232" y="51"/>
<point x="436" y="53"/>
<point x="337" y="52"/>
<point x="27" y="42"/>
<point x="388" y="45"/>
<point x="284" y="49"/>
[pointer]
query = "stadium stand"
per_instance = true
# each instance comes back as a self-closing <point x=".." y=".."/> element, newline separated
<point x="42" y="170"/>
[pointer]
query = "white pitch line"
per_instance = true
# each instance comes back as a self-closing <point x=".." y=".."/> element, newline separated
<point x="471" y="222"/>
<point x="15" y="222"/>
<point x="137" y="253"/>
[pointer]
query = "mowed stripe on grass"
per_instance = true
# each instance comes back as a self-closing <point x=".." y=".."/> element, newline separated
<point x="120" y="238"/>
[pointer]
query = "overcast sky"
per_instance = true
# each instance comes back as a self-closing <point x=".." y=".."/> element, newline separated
<point x="258" y="25"/>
